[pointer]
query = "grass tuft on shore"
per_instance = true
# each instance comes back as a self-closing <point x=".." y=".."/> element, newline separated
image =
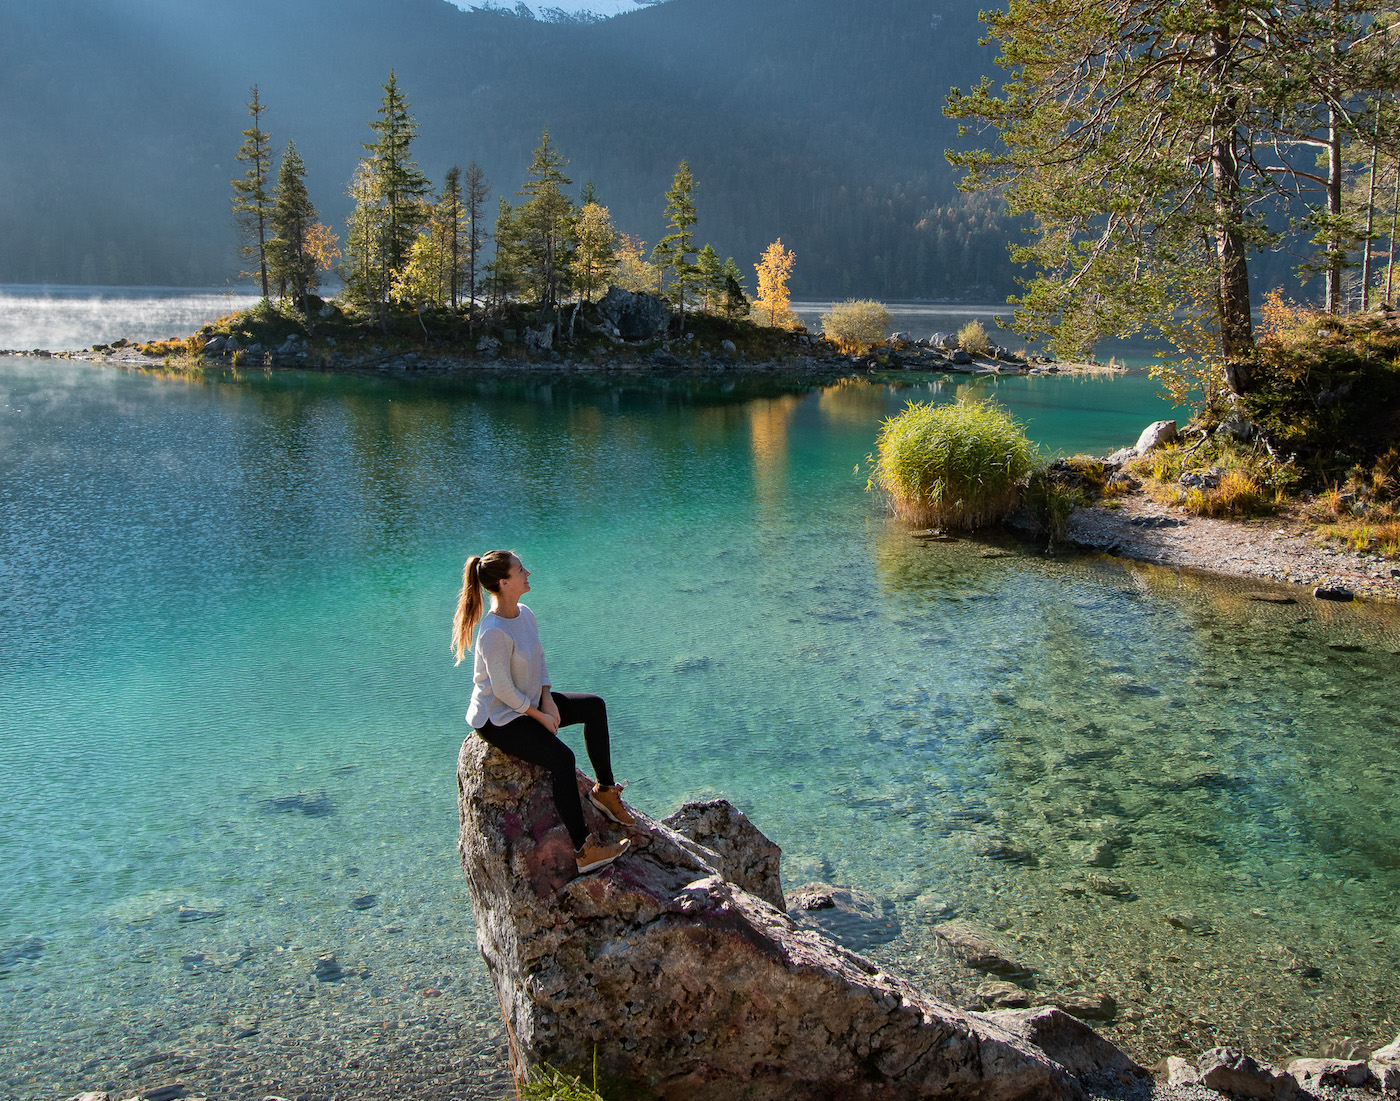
<point x="961" y="466"/>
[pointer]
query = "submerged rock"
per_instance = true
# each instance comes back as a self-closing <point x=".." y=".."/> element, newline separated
<point x="853" y="919"/>
<point x="684" y="985"/>
<point x="313" y="804"/>
<point x="978" y="949"/>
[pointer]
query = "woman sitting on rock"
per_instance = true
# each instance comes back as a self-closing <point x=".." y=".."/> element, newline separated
<point x="514" y="709"/>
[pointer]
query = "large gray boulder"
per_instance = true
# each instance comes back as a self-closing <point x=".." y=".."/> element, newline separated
<point x="1155" y="435"/>
<point x="685" y="986"/>
<point x="745" y="856"/>
<point x="634" y="314"/>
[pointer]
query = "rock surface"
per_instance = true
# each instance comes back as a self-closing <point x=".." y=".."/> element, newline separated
<point x="1227" y="1070"/>
<point x="1155" y="435"/>
<point x="686" y="986"/>
<point x="745" y="857"/>
<point x="634" y="314"/>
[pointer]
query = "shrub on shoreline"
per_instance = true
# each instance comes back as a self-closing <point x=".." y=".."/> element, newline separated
<point x="959" y="466"/>
<point x="857" y="325"/>
<point x="973" y="339"/>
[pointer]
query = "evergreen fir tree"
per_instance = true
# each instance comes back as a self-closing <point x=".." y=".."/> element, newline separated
<point x="402" y="188"/>
<point x="451" y="216"/>
<point x="292" y="262"/>
<point x="735" y="299"/>
<point x="710" y="275"/>
<point x="675" y="251"/>
<point x="542" y="229"/>
<point x="252" y="201"/>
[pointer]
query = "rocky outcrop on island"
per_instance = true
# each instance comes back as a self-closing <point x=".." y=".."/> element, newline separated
<point x="635" y="315"/>
<point x="683" y="984"/>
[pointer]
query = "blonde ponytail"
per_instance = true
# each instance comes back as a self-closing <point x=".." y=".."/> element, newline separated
<point x="481" y="571"/>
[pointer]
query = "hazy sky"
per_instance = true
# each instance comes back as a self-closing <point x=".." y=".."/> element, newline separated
<point x="602" y="7"/>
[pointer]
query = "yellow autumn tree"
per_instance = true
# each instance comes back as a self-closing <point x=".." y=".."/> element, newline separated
<point x="595" y="256"/>
<point x="632" y="271"/>
<point x="772" y="304"/>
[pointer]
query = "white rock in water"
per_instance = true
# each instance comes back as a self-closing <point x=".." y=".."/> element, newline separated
<point x="1155" y="435"/>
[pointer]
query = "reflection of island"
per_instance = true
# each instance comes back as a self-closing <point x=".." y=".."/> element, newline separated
<point x="854" y="402"/>
<point x="768" y="438"/>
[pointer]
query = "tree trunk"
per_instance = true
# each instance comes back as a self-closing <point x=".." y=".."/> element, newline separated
<point x="1232" y="290"/>
<point x="1236" y="325"/>
<point x="1370" y="224"/>
<point x="1394" y="215"/>
<point x="1334" y="213"/>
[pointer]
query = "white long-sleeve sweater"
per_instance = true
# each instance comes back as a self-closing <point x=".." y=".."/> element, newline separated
<point x="509" y="670"/>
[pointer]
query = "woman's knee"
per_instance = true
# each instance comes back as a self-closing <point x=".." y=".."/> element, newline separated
<point x="561" y="758"/>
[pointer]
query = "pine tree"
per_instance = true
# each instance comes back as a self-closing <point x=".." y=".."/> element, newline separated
<point x="675" y="251"/>
<point x="478" y="191"/>
<point x="735" y="301"/>
<point x="252" y="201"/>
<point x="596" y="255"/>
<point x="451" y="216"/>
<point x="1147" y="139"/>
<point x="292" y="263"/>
<point x="505" y="273"/>
<point x="710" y="276"/>
<point x="772" y="303"/>
<point x="402" y="188"/>
<point x="542" y="229"/>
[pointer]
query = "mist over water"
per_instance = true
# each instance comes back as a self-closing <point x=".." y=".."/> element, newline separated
<point x="71" y="318"/>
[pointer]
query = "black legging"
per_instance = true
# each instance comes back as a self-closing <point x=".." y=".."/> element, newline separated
<point x="529" y="740"/>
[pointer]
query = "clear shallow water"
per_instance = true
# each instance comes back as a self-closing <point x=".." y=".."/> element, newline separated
<point x="224" y="613"/>
<point x="68" y="318"/>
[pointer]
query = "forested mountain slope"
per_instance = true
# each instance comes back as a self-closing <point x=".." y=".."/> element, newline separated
<point x="815" y="120"/>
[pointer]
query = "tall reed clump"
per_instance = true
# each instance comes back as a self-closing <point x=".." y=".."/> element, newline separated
<point x="958" y="466"/>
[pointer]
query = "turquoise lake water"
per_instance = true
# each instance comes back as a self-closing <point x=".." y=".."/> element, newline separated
<point x="229" y="717"/>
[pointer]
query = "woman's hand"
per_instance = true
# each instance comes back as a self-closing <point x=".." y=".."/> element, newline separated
<point x="549" y="722"/>
<point x="549" y="707"/>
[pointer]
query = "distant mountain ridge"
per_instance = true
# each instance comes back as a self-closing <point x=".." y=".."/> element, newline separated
<point x="815" y="120"/>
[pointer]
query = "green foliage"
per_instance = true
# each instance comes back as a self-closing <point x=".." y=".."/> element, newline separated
<point x="291" y="260"/>
<point x="973" y="339"/>
<point x="1129" y="135"/>
<point x="709" y="274"/>
<point x="390" y="194"/>
<point x="252" y="200"/>
<point x="1242" y="480"/>
<point x="535" y="241"/>
<point x="548" y="1083"/>
<point x="478" y="190"/>
<point x="958" y="466"/>
<point x="675" y="251"/>
<point x="855" y="325"/>
<point x="1326" y="390"/>
<point x="734" y="303"/>
<point x="1051" y="501"/>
